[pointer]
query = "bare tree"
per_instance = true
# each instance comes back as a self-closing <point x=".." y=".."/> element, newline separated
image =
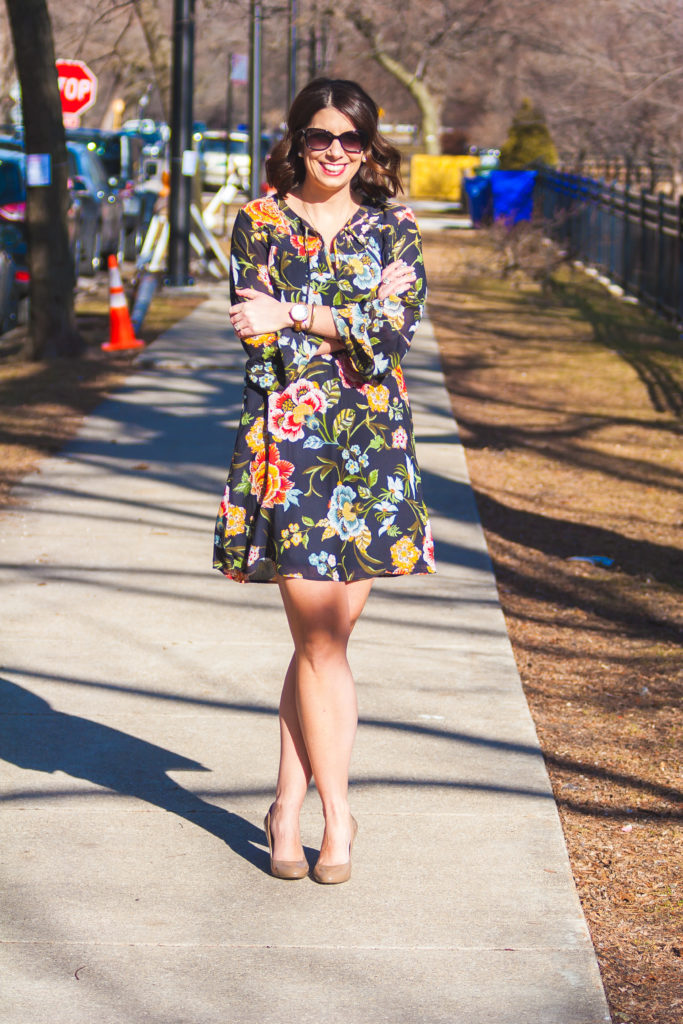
<point x="422" y="50"/>
<point x="52" y="324"/>
<point x="158" y="38"/>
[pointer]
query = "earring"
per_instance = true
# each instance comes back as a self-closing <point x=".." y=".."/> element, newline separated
<point x="363" y="158"/>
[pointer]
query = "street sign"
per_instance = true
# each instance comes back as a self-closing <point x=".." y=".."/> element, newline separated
<point x="77" y="87"/>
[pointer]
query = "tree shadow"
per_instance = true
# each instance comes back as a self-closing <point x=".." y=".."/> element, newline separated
<point x="35" y="737"/>
<point x="568" y="538"/>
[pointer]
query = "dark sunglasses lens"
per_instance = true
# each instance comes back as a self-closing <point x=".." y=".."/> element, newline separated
<point x="318" y="138"/>
<point x="352" y="142"/>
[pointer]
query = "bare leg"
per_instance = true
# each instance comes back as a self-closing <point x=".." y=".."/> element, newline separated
<point x="294" y="774"/>
<point x="318" y="712"/>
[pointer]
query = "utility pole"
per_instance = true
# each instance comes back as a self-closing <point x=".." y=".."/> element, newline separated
<point x="183" y="159"/>
<point x="291" y="54"/>
<point x="255" y="99"/>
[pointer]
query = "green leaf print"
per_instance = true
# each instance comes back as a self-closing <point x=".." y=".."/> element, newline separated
<point x="244" y="486"/>
<point x="332" y="390"/>
<point x="343" y="421"/>
<point x="307" y="521"/>
<point x="372" y="478"/>
<point x="377" y="442"/>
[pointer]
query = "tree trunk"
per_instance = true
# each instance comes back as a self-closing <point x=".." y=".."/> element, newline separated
<point x="52" y="325"/>
<point x="159" y="47"/>
<point x="429" y="103"/>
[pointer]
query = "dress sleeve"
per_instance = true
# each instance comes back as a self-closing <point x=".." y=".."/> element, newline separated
<point x="276" y="358"/>
<point x="377" y="332"/>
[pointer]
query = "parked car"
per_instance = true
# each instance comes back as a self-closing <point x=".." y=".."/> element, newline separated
<point x="121" y="156"/>
<point x="14" y="275"/>
<point x="101" y="208"/>
<point x="215" y="163"/>
<point x="14" y="270"/>
<point x="11" y="142"/>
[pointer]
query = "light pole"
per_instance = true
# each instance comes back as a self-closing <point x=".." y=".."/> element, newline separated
<point x="291" y="54"/>
<point x="182" y="168"/>
<point x="255" y="99"/>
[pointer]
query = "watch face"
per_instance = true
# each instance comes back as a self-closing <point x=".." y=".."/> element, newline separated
<point x="298" y="312"/>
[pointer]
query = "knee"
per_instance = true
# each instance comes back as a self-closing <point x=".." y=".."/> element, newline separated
<point x="324" y="649"/>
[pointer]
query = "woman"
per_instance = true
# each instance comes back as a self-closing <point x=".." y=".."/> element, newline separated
<point x="324" y="493"/>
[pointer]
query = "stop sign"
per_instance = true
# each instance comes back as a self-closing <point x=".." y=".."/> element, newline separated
<point x="77" y="86"/>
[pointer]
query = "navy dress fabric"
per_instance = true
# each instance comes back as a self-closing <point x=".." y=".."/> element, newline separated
<point x="324" y="483"/>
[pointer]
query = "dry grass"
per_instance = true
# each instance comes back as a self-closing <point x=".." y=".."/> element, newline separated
<point x="570" y="409"/>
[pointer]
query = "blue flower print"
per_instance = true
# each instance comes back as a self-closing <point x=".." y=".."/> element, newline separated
<point x="342" y="515"/>
<point x="353" y="459"/>
<point x="322" y="560"/>
<point x="368" y="273"/>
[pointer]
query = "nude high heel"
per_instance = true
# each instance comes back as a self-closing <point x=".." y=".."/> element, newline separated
<point x="283" y="868"/>
<point x="333" y="874"/>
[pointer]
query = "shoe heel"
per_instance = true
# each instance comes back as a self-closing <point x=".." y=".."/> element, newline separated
<point x="287" y="869"/>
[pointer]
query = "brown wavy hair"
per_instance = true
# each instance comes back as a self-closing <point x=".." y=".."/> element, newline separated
<point x="379" y="177"/>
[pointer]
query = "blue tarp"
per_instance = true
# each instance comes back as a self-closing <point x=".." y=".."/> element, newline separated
<point x="513" y="193"/>
<point x="479" y="199"/>
<point x="503" y="195"/>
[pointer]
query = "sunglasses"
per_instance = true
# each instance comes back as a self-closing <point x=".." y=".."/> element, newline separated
<point x="319" y="139"/>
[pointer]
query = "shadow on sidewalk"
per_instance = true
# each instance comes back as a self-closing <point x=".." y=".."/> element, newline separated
<point x="34" y="736"/>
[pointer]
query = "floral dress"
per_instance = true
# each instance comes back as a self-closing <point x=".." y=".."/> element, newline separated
<point x="323" y="482"/>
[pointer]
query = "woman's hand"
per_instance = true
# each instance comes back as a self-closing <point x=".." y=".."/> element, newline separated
<point x="396" y="279"/>
<point x="258" y="314"/>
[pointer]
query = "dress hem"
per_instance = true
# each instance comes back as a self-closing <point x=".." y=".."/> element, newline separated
<point x="239" y="576"/>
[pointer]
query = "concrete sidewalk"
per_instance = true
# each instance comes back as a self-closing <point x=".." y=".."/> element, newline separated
<point x="139" y="743"/>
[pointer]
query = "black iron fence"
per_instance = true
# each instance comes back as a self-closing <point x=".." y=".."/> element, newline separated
<point x="634" y="238"/>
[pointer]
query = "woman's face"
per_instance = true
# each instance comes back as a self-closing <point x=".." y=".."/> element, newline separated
<point x="332" y="169"/>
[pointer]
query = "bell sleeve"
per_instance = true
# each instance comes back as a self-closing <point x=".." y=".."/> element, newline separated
<point x="377" y="332"/>
<point x="276" y="358"/>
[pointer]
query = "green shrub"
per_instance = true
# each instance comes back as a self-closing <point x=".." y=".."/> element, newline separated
<point x="528" y="143"/>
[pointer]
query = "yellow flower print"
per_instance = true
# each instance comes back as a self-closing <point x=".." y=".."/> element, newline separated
<point x="292" y="536"/>
<point x="255" y="438"/>
<point x="257" y="340"/>
<point x="234" y="518"/>
<point x="404" y="555"/>
<point x="378" y="397"/>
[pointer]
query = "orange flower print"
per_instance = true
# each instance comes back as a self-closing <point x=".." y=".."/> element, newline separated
<point x="257" y="340"/>
<point x="397" y="374"/>
<point x="264" y="212"/>
<point x="306" y="245"/>
<point x="404" y="555"/>
<point x="271" y="488"/>
<point x="378" y="397"/>
<point x="254" y="437"/>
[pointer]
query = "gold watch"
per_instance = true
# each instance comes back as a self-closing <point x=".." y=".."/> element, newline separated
<point x="298" y="314"/>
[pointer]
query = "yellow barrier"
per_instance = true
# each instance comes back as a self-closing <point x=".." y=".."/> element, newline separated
<point x="439" y="177"/>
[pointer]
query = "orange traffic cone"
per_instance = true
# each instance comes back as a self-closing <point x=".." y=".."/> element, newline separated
<point x="121" y="334"/>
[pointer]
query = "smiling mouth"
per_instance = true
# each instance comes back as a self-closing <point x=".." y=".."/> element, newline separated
<point x="333" y="169"/>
